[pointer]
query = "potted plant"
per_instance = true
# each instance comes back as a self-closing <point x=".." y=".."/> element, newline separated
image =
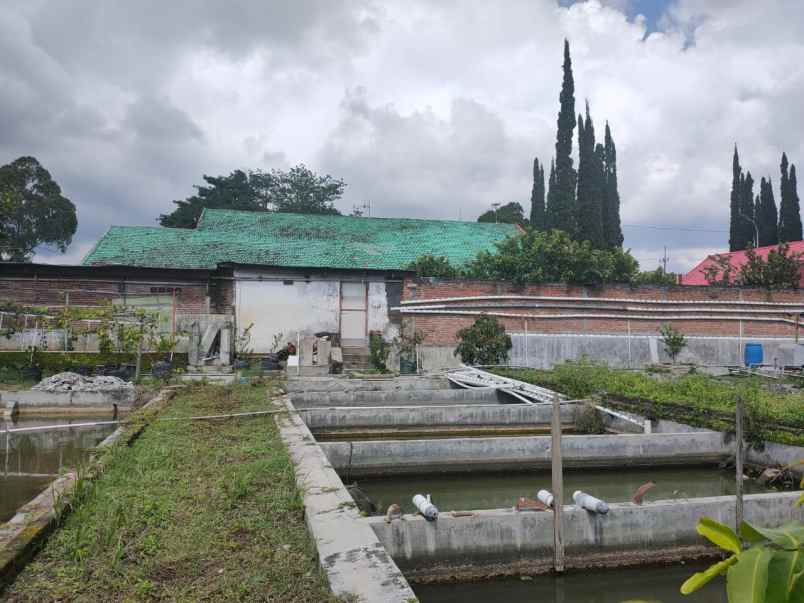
<point x="407" y="345"/>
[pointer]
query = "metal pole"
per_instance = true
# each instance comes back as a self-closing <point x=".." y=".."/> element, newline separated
<point x="139" y="355"/>
<point x="526" y="343"/>
<point x="628" y="324"/>
<point x="558" y="486"/>
<point x="298" y="353"/>
<point x="738" y="513"/>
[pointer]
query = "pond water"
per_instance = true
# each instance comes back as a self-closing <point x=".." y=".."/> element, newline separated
<point x="465" y="491"/>
<point x="660" y="584"/>
<point x="30" y="460"/>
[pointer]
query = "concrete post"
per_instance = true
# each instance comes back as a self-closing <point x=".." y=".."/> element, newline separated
<point x="225" y="358"/>
<point x="738" y="514"/>
<point x="558" y="485"/>
<point x="195" y="342"/>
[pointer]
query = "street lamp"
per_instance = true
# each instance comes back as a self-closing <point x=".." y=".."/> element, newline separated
<point x="756" y="229"/>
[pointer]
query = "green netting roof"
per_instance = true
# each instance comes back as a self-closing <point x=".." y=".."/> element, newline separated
<point x="295" y="240"/>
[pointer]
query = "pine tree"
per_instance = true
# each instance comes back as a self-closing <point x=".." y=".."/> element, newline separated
<point x="789" y="210"/>
<point x="561" y="204"/>
<point x="766" y="214"/>
<point x="537" y="209"/>
<point x="612" y="227"/>
<point x="735" y="233"/>
<point x="589" y="217"/>
<point x="551" y="189"/>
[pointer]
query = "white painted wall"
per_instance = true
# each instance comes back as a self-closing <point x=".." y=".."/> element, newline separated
<point x="307" y="306"/>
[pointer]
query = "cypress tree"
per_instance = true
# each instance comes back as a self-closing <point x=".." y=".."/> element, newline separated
<point x="589" y="216"/>
<point x="537" y="209"/>
<point x="789" y="210"/>
<point x="748" y="219"/>
<point x="612" y="227"/>
<point x="561" y="205"/>
<point x="735" y="232"/>
<point x="766" y="214"/>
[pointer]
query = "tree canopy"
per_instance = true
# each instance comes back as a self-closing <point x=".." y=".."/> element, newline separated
<point x="434" y="266"/>
<point x="298" y="190"/>
<point x="510" y="213"/>
<point x="33" y="211"/>
<point x="553" y="256"/>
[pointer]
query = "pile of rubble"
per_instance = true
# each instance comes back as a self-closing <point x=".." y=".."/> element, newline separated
<point x="73" y="382"/>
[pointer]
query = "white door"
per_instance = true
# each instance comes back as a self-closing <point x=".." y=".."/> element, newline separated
<point x="353" y="314"/>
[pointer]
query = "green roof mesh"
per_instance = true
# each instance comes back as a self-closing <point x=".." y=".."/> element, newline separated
<point x="295" y="240"/>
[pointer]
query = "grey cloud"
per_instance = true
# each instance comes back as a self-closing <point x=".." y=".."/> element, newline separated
<point x="157" y="120"/>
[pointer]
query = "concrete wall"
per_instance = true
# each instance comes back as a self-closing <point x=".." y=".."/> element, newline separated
<point x="509" y="542"/>
<point x="414" y="397"/>
<point x="455" y="455"/>
<point x="430" y="416"/>
<point x="538" y="350"/>
<point x="333" y="384"/>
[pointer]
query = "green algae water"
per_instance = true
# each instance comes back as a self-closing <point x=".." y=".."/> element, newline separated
<point x="649" y="584"/>
<point x="30" y="460"/>
<point x="468" y="491"/>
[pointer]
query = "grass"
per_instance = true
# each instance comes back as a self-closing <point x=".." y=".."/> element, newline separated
<point x="191" y="511"/>
<point x="774" y="414"/>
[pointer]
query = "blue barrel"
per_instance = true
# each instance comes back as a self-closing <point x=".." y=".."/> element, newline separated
<point x="753" y="354"/>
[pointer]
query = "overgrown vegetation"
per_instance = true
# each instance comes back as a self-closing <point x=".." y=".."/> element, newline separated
<point x="484" y="343"/>
<point x="779" y="271"/>
<point x="191" y="511"/>
<point x="378" y="352"/>
<point x="700" y="400"/>
<point x="430" y="266"/>
<point x="553" y="257"/>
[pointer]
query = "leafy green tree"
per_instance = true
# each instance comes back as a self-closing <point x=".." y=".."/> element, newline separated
<point x="673" y="340"/>
<point x="298" y="190"/>
<point x="789" y="210"/>
<point x="33" y="211"/>
<point x="484" y="343"/>
<point x="589" y="203"/>
<point x="561" y="206"/>
<point x="767" y="216"/>
<point x="433" y="266"/>
<point x="510" y="213"/>
<point x="552" y="256"/>
<point x="656" y="277"/>
<point x="537" y="208"/>
<point x="611" y="215"/>
<point x="780" y="271"/>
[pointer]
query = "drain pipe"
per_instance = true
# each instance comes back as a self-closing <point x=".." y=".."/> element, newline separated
<point x="545" y="497"/>
<point x="590" y="503"/>
<point x="425" y="507"/>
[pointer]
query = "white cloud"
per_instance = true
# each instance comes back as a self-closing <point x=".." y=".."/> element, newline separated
<point x="425" y="108"/>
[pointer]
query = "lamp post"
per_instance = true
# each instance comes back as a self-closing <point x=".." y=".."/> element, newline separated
<point x="756" y="228"/>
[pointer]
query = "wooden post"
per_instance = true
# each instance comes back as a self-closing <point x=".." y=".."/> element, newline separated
<point x="526" y="342"/>
<point x="139" y="355"/>
<point x="798" y="317"/>
<point x="558" y="486"/>
<point x="739" y="465"/>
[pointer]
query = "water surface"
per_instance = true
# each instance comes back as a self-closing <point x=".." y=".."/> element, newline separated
<point x="582" y="586"/>
<point x="502" y="490"/>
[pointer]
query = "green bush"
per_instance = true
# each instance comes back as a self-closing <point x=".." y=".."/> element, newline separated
<point x="11" y="363"/>
<point x="378" y="352"/>
<point x="484" y="343"/>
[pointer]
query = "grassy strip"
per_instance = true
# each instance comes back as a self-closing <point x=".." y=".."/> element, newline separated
<point x="202" y="510"/>
<point x="700" y="400"/>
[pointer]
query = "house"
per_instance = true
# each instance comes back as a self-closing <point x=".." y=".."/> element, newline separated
<point x="296" y="274"/>
<point x="697" y="276"/>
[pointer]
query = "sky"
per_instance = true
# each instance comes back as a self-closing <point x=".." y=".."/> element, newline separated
<point x="426" y="108"/>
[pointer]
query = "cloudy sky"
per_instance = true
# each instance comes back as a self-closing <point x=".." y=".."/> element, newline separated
<point x="426" y="108"/>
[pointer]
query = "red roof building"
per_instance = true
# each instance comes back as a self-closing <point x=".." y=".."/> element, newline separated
<point x="737" y="259"/>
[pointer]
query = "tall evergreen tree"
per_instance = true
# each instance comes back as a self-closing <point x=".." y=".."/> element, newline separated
<point x="766" y="214"/>
<point x="736" y="242"/>
<point x="589" y="216"/>
<point x="551" y="189"/>
<point x="611" y="214"/>
<point x="537" y="208"/>
<point x="561" y="204"/>
<point x="789" y="210"/>
<point x="748" y="223"/>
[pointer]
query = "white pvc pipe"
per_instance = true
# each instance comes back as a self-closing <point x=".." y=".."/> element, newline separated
<point x="590" y="503"/>
<point x="428" y="510"/>
<point x="545" y="497"/>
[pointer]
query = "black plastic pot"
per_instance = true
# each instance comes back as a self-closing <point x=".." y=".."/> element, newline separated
<point x="161" y="369"/>
<point x="241" y="364"/>
<point x="31" y="373"/>
<point x="407" y="367"/>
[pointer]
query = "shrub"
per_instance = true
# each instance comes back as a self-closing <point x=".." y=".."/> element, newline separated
<point x="378" y="352"/>
<point x="433" y="266"/>
<point x="673" y="340"/>
<point x="484" y="343"/>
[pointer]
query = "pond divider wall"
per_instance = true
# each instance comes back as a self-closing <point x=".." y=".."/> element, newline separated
<point x="395" y="457"/>
<point x="357" y="565"/>
<point x="507" y="542"/>
<point x="21" y="535"/>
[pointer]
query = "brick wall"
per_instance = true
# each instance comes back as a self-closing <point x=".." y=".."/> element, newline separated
<point x="609" y="309"/>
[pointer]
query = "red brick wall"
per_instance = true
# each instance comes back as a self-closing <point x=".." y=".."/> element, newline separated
<point x="441" y="329"/>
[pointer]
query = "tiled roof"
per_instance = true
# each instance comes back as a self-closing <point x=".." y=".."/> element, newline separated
<point x="736" y="259"/>
<point x="296" y="240"/>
